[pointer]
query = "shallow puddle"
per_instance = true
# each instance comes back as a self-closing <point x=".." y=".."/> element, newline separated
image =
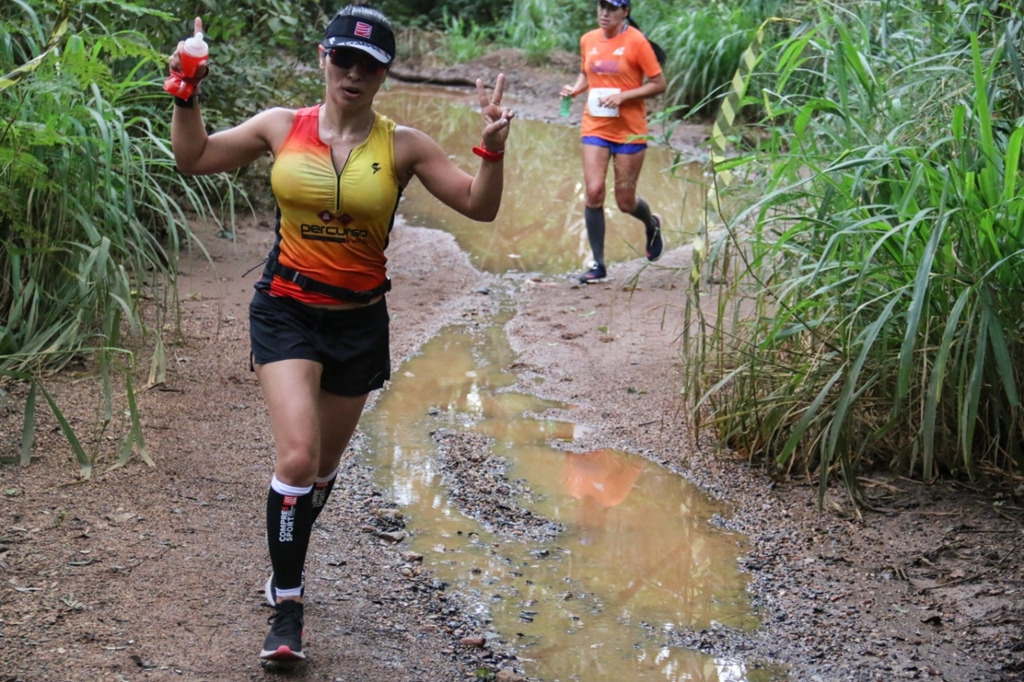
<point x="638" y="557"/>
<point x="539" y="228"/>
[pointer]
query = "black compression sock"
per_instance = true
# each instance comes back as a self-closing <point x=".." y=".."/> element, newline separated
<point x="643" y="214"/>
<point x="289" y="522"/>
<point x="322" y="488"/>
<point x="594" y="218"/>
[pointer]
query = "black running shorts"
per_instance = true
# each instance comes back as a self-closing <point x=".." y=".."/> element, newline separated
<point x="352" y="344"/>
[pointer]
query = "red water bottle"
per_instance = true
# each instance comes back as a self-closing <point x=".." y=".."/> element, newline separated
<point x="194" y="54"/>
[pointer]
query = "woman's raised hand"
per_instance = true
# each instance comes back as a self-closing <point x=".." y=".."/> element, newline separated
<point x="496" y="118"/>
<point x="175" y="60"/>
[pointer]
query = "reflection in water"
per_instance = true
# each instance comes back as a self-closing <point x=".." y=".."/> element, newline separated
<point x="540" y="225"/>
<point x="640" y="557"/>
<point x="599" y="480"/>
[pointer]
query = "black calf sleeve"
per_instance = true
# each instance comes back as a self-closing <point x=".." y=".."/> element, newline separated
<point x="321" y="491"/>
<point x="594" y="218"/>
<point x="643" y="214"/>
<point x="289" y="522"/>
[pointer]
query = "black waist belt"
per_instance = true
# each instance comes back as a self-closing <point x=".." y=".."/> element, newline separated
<point x="340" y="293"/>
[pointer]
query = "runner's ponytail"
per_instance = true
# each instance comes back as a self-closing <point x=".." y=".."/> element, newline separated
<point x="659" y="52"/>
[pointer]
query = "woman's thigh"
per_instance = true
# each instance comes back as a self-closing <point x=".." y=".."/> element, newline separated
<point x="291" y="390"/>
<point x="595" y="172"/>
<point x="627" y="169"/>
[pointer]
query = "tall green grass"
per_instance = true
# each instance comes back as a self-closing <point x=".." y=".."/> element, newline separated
<point x="864" y="313"/>
<point x="539" y="27"/>
<point x="464" y="40"/>
<point x="93" y="212"/>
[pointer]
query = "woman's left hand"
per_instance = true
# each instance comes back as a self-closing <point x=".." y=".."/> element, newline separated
<point x="612" y="101"/>
<point x="496" y="118"/>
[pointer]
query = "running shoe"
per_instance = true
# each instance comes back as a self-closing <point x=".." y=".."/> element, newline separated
<point x="270" y="590"/>
<point x="596" y="273"/>
<point x="284" y="642"/>
<point x="654" y="242"/>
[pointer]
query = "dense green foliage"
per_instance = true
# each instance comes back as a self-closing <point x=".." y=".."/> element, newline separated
<point x="868" y="305"/>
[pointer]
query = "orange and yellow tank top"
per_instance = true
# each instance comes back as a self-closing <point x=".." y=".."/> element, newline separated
<point x="333" y="224"/>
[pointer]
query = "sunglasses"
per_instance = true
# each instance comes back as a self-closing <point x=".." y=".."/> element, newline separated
<point x="608" y="7"/>
<point x="347" y="58"/>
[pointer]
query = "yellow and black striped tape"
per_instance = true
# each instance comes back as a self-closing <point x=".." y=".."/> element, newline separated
<point x="723" y="125"/>
<point x="720" y="132"/>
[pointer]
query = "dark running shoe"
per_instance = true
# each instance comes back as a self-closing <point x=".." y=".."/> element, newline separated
<point x="284" y="642"/>
<point x="596" y="273"/>
<point x="654" y="242"/>
<point x="270" y="590"/>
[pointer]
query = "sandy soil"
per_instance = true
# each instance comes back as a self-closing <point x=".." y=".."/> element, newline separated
<point x="154" y="572"/>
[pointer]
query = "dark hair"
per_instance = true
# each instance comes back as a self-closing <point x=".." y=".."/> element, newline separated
<point x="659" y="51"/>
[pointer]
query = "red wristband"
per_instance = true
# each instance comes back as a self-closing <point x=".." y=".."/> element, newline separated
<point x="488" y="155"/>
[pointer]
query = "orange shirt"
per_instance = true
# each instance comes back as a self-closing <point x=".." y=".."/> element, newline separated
<point x="621" y="62"/>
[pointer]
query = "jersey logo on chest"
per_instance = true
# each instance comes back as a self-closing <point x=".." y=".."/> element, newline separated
<point x="327" y="217"/>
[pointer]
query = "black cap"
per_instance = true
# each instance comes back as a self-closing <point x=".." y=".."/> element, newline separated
<point x="361" y="33"/>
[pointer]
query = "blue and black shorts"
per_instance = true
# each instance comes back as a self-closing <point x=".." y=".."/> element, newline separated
<point x="351" y="344"/>
<point x="615" y="147"/>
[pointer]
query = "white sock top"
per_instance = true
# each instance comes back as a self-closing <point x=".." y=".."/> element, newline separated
<point x="285" y="489"/>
